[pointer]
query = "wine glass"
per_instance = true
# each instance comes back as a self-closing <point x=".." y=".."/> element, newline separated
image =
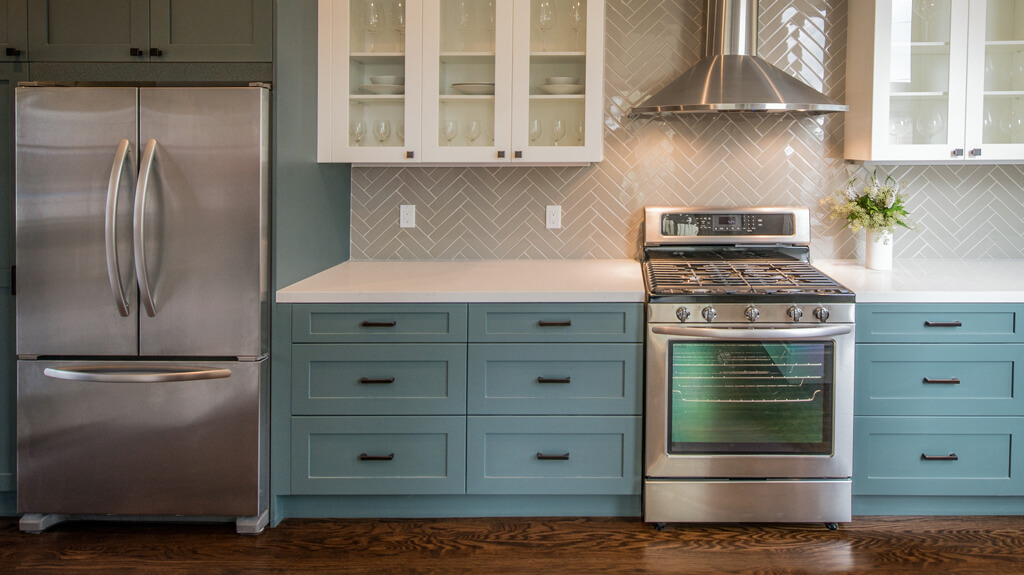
<point x="576" y="18"/>
<point x="374" y="20"/>
<point x="401" y="131"/>
<point x="545" y="20"/>
<point x="1012" y="124"/>
<point x="581" y="128"/>
<point x="490" y="16"/>
<point x="463" y="21"/>
<point x="558" y="130"/>
<point x="929" y="125"/>
<point x="451" y="129"/>
<point x="473" y="131"/>
<point x="358" y="132"/>
<point x="926" y="10"/>
<point x="381" y="130"/>
<point x="535" y="130"/>
<point x="398" y="22"/>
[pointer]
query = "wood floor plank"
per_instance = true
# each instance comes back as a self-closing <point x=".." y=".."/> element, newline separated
<point x="954" y="545"/>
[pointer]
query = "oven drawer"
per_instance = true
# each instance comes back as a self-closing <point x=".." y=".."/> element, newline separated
<point x="378" y="455"/>
<point x="525" y="323"/>
<point x="939" y="323"/>
<point x="367" y="379"/>
<point x="938" y="379"/>
<point x="543" y="379"/>
<point x="372" y="323"/>
<point x="938" y="456"/>
<point x="553" y="455"/>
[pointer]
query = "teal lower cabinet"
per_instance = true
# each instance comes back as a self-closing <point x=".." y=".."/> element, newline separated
<point x="938" y="428"/>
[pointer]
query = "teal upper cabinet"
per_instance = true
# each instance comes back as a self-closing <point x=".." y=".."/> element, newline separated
<point x="13" y="31"/>
<point x="151" y="30"/>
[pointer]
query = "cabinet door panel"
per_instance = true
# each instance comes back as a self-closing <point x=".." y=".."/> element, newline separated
<point x="88" y="30"/>
<point x="221" y="31"/>
<point x="13" y="31"/>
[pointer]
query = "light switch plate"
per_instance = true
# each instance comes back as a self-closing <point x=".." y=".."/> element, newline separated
<point x="407" y="216"/>
<point x="553" y="217"/>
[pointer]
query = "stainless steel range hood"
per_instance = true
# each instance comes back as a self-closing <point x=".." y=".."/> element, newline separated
<point x="731" y="77"/>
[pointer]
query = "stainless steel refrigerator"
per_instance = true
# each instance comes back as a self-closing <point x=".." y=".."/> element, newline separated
<point x="142" y="303"/>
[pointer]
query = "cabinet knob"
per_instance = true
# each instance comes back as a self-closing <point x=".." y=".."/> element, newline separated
<point x="958" y="153"/>
<point x="13" y="52"/>
<point x="518" y="154"/>
<point x="975" y="152"/>
<point x="156" y="52"/>
<point x="501" y="153"/>
<point x="135" y="52"/>
<point x="410" y="155"/>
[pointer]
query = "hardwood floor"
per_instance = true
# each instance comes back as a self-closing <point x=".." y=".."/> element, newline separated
<point x="974" y="545"/>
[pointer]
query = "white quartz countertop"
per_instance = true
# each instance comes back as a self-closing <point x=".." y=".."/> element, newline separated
<point x="932" y="281"/>
<point x="471" y="282"/>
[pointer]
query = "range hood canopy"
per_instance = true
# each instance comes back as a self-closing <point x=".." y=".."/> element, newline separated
<point x="731" y="77"/>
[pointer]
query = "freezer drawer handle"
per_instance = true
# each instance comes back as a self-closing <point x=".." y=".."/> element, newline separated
<point x="369" y="380"/>
<point x="110" y="228"/>
<point x="543" y="323"/>
<point x="365" y="457"/>
<point x="379" y="324"/>
<point x="134" y="374"/>
<point x="951" y="381"/>
<point x="943" y="324"/>
<point x="140" y="234"/>
<point x="950" y="457"/>
<point x="554" y="380"/>
<point x="543" y="457"/>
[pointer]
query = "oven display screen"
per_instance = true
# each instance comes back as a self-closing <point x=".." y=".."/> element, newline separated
<point x="751" y="397"/>
<point x="704" y="224"/>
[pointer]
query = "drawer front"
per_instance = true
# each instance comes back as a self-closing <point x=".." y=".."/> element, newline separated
<point x="525" y="323"/>
<point x="378" y="455"/>
<point x="388" y="379"/>
<point x="553" y="455"/>
<point x="542" y="379"/>
<point x="392" y="323"/>
<point x="938" y="379"/>
<point x="939" y="323"/>
<point x="896" y="456"/>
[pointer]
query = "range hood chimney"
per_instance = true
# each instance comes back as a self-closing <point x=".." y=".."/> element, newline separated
<point x="731" y="77"/>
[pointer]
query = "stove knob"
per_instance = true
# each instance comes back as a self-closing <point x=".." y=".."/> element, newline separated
<point x="822" y="314"/>
<point x="709" y="313"/>
<point x="795" y="313"/>
<point x="751" y="313"/>
<point x="683" y="314"/>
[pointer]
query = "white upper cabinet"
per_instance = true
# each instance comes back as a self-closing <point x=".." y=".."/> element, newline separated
<point x="502" y="82"/>
<point x="935" y="81"/>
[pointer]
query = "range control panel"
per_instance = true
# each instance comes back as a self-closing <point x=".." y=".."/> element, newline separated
<point x="726" y="224"/>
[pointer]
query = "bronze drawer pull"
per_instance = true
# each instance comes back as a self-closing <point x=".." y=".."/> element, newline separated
<point x="951" y="381"/>
<point x="369" y="380"/>
<point x="543" y="323"/>
<point x="379" y="324"/>
<point x="543" y="457"/>
<point x="950" y="457"/>
<point x="554" y="380"/>
<point x="943" y="324"/>
<point x="365" y="457"/>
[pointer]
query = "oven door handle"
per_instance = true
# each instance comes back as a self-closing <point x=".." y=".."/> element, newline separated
<point x="743" y="333"/>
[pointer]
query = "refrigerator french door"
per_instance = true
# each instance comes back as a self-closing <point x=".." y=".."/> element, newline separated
<point x="142" y="296"/>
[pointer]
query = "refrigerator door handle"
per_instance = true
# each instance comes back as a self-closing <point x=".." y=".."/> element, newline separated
<point x="133" y="374"/>
<point x="113" y="266"/>
<point x="140" y="236"/>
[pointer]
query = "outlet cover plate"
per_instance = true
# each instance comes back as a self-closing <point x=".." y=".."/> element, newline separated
<point x="553" y="217"/>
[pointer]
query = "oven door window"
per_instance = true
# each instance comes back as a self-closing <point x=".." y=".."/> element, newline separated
<point x="751" y="397"/>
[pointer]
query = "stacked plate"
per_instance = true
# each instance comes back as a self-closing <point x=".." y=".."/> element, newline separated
<point x="385" y="85"/>
<point x="560" y="85"/>
<point x="474" y="88"/>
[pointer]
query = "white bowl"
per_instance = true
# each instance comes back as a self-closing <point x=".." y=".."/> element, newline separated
<point x="384" y="88"/>
<point x="563" y="80"/>
<point x="392" y="80"/>
<point x="562" y="89"/>
<point x="474" y="88"/>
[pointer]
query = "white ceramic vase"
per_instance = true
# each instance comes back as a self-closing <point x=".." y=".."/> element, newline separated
<point x="879" y="250"/>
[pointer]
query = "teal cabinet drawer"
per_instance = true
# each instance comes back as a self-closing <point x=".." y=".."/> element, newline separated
<point x="524" y="323"/>
<point x="891" y="455"/>
<point x="374" y="323"/>
<point x="542" y="379"/>
<point x="378" y="455"/>
<point x="553" y="455"/>
<point x="367" y="379"/>
<point x="938" y="379"/>
<point x="939" y="323"/>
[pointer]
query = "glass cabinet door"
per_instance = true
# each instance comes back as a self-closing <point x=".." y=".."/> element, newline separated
<point x="996" y="83"/>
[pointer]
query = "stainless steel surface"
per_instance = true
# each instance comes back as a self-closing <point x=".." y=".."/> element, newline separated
<point x="655" y="235"/>
<point x="65" y="145"/>
<point x="119" y="447"/>
<point x="748" y="501"/>
<point x="745" y="332"/>
<point x="136" y="373"/>
<point x="139" y="226"/>
<point x="732" y="313"/>
<point x="731" y="77"/>
<point x="110" y="227"/>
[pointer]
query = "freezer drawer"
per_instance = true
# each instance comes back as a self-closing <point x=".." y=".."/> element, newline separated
<point x="132" y="440"/>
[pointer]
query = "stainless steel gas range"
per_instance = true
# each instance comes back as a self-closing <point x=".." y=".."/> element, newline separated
<point x="749" y="399"/>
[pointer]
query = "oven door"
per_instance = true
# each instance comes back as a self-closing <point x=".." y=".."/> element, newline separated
<point x="732" y="401"/>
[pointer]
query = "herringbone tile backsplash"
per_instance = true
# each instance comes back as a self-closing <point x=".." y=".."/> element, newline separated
<point x="717" y="160"/>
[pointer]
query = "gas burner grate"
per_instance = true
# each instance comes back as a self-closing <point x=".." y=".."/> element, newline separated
<point x="668" y="277"/>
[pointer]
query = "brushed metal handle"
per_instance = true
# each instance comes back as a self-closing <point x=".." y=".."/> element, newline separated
<point x="958" y="152"/>
<point x="951" y="381"/>
<point x="943" y="324"/>
<point x="950" y="457"/>
<point x="365" y="457"/>
<point x="368" y="380"/>
<point x="517" y="154"/>
<point x="975" y="152"/>
<point x="543" y="323"/>
<point x="501" y="153"/>
<point x="156" y="52"/>
<point x="13" y="52"/>
<point x="135" y="51"/>
<point x="767" y="334"/>
<point x="410" y="155"/>
<point x="379" y="324"/>
<point x="141" y="191"/>
<point x="545" y="457"/>
<point x="554" y="380"/>
<point x="110" y="228"/>
<point x="135" y="374"/>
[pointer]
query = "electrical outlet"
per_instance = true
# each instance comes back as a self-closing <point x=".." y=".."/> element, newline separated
<point x="407" y="216"/>
<point x="553" y="217"/>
